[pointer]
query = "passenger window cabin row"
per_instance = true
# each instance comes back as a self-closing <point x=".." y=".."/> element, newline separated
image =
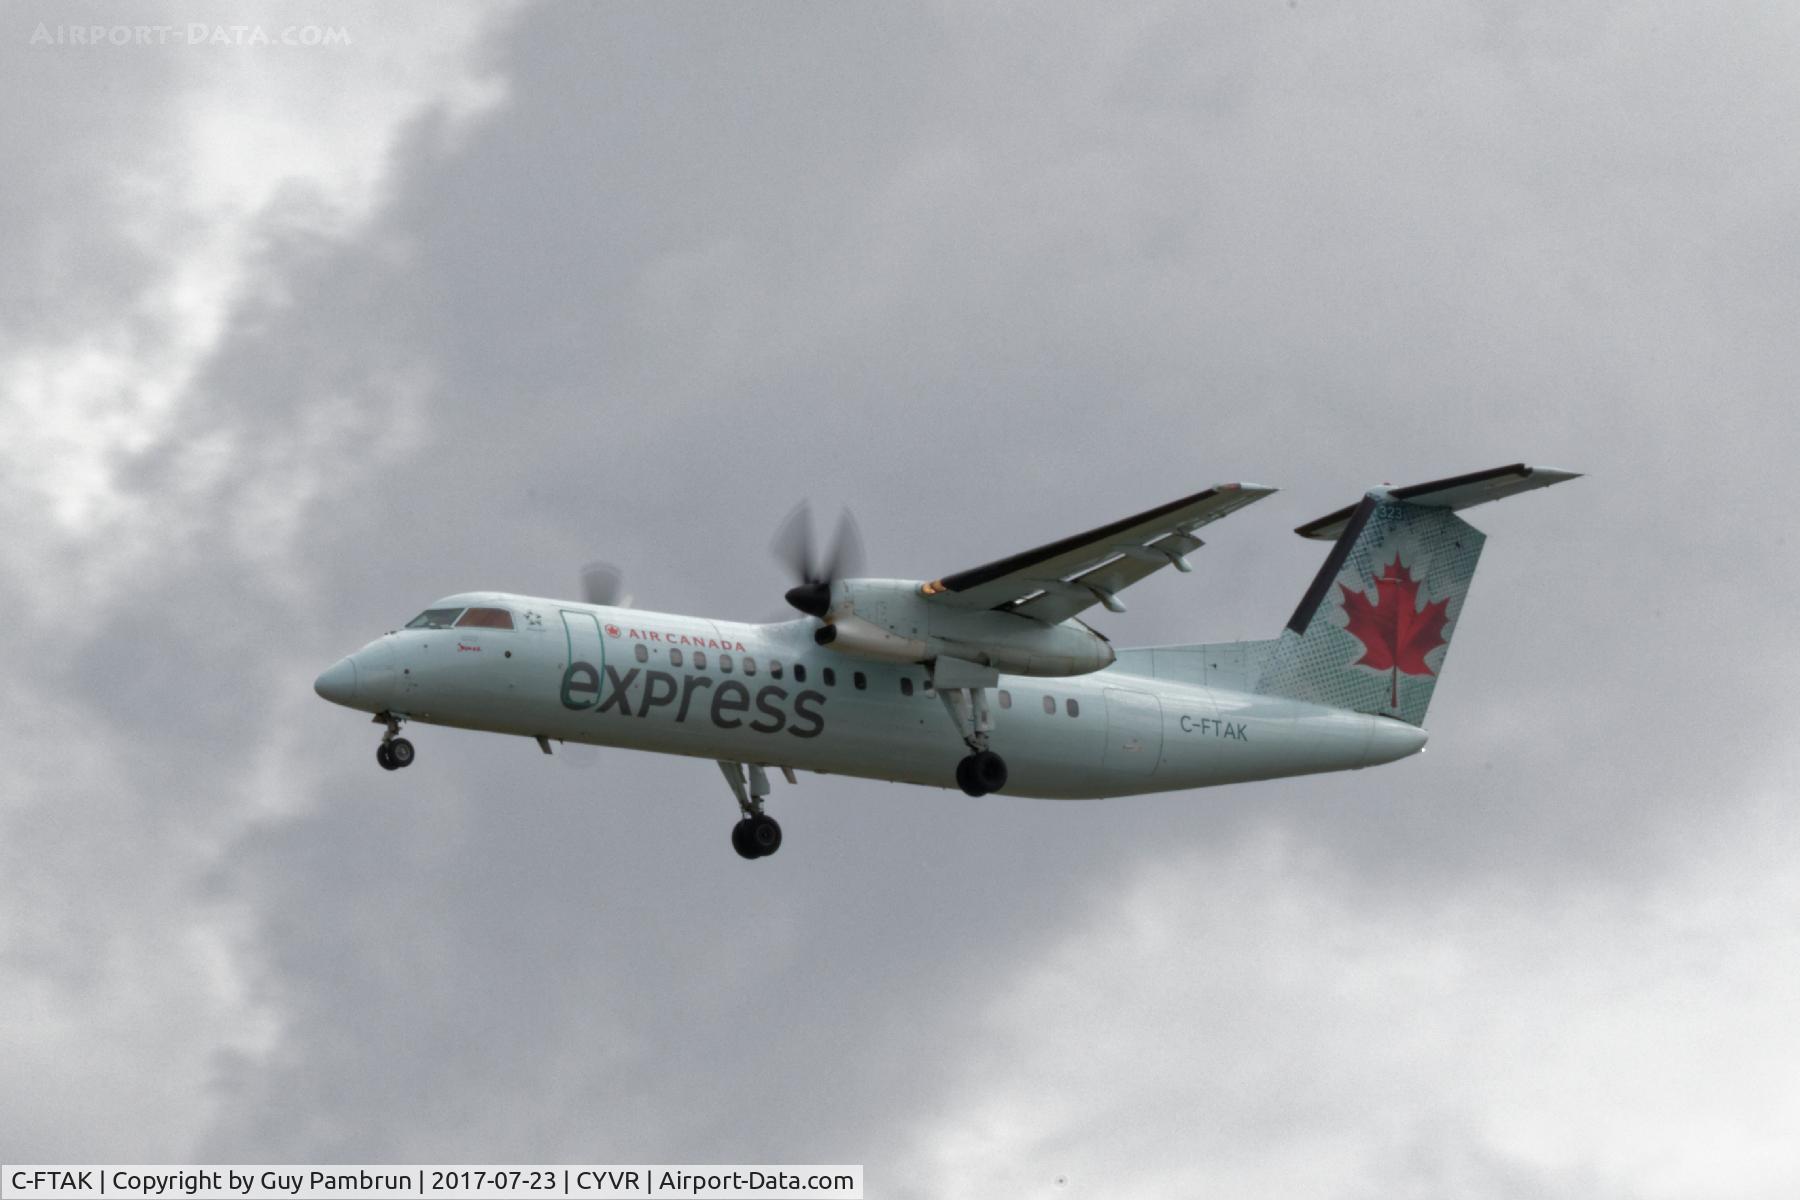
<point x="1072" y="706"/>
<point x="499" y="618"/>
<point x="747" y="664"/>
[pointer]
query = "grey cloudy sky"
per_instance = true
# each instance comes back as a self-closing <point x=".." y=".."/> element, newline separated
<point x="297" y="339"/>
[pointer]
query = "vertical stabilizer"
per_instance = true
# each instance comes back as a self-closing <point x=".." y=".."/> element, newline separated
<point x="1372" y="631"/>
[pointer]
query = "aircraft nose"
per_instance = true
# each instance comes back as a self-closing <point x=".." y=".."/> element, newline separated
<point x="337" y="683"/>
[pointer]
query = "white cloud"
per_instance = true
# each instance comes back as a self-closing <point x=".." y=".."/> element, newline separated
<point x="127" y="971"/>
<point x="251" y="143"/>
<point x="1252" y="1022"/>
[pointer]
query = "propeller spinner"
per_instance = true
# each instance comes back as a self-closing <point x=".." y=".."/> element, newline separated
<point x="793" y="547"/>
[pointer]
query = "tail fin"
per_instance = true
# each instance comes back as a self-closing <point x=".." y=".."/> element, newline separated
<point x="1371" y="632"/>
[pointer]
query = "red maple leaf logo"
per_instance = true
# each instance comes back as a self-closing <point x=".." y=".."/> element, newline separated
<point x="1395" y="632"/>
<point x="612" y="631"/>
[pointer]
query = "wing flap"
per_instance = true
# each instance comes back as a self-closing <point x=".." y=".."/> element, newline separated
<point x="1105" y="581"/>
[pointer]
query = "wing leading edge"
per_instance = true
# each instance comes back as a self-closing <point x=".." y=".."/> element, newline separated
<point x="1054" y="582"/>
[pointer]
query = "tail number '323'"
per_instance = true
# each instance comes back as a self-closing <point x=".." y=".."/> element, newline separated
<point x="730" y="705"/>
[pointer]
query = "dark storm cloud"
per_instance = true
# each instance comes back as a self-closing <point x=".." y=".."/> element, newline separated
<point x="989" y="278"/>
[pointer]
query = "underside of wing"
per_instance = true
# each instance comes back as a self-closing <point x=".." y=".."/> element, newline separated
<point x="1054" y="582"/>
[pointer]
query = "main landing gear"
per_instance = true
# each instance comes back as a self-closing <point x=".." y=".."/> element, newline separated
<point x="395" y="751"/>
<point x="963" y="687"/>
<point x="981" y="772"/>
<point x="756" y="835"/>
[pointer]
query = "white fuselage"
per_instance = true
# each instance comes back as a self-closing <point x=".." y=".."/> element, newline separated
<point x="767" y="694"/>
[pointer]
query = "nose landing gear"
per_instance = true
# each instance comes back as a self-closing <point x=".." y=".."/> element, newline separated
<point x="395" y="751"/>
<point x="756" y="837"/>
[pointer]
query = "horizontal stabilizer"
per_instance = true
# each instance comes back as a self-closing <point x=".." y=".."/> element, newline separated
<point x="1461" y="491"/>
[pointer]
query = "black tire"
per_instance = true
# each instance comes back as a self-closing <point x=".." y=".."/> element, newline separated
<point x="385" y="759"/>
<point x="763" y="836"/>
<point x="965" y="777"/>
<point x="400" y="751"/>
<point x="740" y="839"/>
<point x="988" y="770"/>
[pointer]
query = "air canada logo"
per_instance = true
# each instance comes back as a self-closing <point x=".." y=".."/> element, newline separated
<point x="612" y="631"/>
<point x="1395" y="631"/>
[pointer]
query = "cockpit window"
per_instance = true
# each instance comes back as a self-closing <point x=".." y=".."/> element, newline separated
<point x="435" y="618"/>
<point x="486" y="618"/>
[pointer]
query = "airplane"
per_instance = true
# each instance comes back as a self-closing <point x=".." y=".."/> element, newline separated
<point x="986" y="679"/>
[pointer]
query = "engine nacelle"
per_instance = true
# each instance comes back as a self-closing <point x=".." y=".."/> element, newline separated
<point x="865" y="639"/>
<point x="890" y="621"/>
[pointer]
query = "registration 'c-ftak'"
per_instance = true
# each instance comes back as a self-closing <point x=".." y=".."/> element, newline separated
<point x="988" y="679"/>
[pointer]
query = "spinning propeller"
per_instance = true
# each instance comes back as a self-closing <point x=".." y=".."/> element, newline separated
<point x="793" y="547"/>
<point x="603" y="583"/>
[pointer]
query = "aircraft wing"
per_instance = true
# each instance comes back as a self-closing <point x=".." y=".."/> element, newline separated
<point x="1052" y="583"/>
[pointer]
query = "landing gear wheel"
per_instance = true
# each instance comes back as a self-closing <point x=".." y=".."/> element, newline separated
<point x="740" y="841"/>
<point x="989" y="770"/>
<point x="762" y="835"/>
<point x="400" y="753"/>
<point x="385" y="759"/>
<point x="981" y="772"/>
<point x="963" y="779"/>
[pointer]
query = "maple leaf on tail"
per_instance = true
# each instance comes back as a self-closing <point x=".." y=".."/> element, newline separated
<point x="1396" y="634"/>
